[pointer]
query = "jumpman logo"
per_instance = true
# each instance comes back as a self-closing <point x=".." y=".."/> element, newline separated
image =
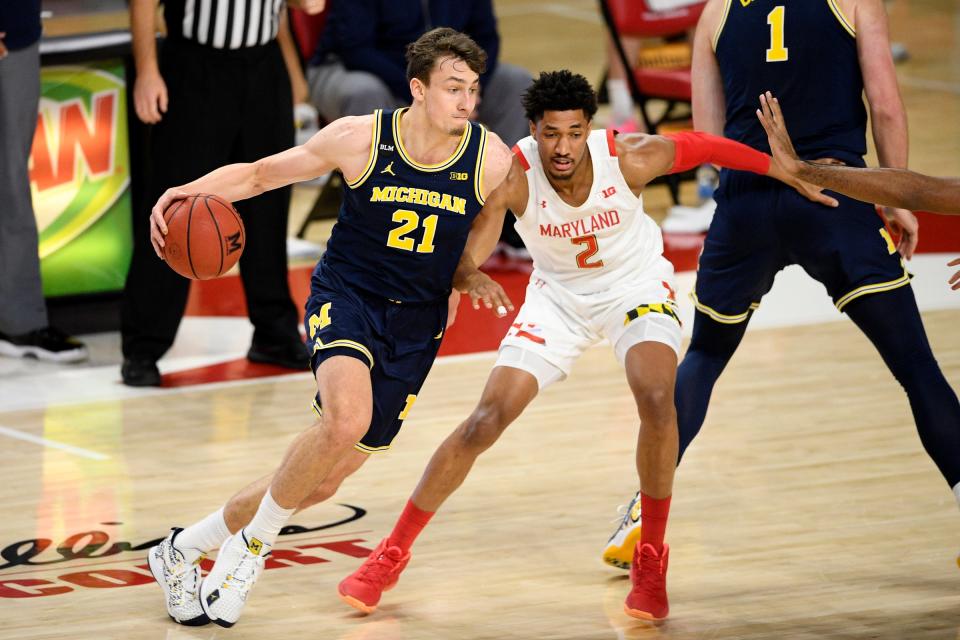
<point x="389" y="169"/>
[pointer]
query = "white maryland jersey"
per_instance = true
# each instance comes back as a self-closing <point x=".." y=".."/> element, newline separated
<point x="607" y="240"/>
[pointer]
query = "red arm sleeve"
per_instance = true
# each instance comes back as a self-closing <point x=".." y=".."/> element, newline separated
<point x="694" y="148"/>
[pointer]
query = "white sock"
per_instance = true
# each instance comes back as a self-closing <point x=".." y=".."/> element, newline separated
<point x="621" y="103"/>
<point x="203" y="536"/>
<point x="956" y="492"/>
<point x="268" y="521"/>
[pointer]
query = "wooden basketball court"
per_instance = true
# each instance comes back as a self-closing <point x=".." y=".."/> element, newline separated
<point x="806" y="509"/>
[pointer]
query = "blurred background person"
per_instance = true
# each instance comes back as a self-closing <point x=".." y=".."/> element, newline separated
<point x="24" y="326"/>
<point x="219" y="92"/>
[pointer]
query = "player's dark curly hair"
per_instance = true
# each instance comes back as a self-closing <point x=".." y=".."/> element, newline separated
<point x="440" y="43"/>
<point x="559" y="91"/>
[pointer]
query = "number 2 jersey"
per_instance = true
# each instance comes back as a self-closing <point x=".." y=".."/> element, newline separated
<point x="607" y="240"/>
<point x="403" y="225"/>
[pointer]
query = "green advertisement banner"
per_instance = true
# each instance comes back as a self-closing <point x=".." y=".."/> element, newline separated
<point x="80" y="179"/>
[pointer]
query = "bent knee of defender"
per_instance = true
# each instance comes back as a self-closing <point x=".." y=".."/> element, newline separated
<point x="483" y="428"/>
<point x="655" y="405"/>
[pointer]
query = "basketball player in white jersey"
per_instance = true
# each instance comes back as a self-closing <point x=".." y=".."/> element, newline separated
<point x="599" y="272"/>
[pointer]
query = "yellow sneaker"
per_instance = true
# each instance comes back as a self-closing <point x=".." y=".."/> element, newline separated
<point x="619" y="549"/>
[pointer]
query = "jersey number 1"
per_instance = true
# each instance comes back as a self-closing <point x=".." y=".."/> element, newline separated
<point x="777" y="52"/>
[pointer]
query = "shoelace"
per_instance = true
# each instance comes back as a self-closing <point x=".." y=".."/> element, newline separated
<point x="651" y="578"/>
<point x="181" y="573"/>
<point x="245" y="575"/>
<point x="622" y="511"/>
<point x="378" y="571"/>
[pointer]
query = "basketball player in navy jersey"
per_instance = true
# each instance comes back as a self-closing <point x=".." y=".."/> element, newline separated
<point x="598" y="272"/>
<point x="819" y="57"/>
<point x="890" y="187"/>
<point x="416" y="179"/>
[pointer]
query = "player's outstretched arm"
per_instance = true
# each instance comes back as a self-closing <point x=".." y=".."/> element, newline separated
<point x="891" y="187"/>
<point x="344" y="143"/>
<point x="511" y="193"/>
<point x="644" y="157"/>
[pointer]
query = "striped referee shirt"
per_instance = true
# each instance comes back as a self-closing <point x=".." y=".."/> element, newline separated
<point x="223" y="24"/>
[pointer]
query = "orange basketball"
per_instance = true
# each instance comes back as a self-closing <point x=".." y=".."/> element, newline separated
<point x="205" y="236"/>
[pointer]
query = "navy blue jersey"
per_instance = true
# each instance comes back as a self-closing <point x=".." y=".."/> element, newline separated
<point x="403" y="225"/>
<point x="805" y="52"/>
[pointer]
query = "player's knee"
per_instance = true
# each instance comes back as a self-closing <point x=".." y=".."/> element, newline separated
<point x="655" y="405"/>
<point x="483" y="427"/>
<point x="345" y="431"/>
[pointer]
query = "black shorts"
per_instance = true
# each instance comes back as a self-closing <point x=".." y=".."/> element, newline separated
<point x="762" y="225"/>
<point x="398" y="341"/>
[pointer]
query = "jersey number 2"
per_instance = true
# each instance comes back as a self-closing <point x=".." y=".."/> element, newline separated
<point x="777" y="52"/>
<point x="409" y="221"/>
<point x="590" y="250"/>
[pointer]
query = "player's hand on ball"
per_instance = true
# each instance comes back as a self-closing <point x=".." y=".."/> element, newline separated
<point x="158" y="227"/>
<point x="479" y="286"/>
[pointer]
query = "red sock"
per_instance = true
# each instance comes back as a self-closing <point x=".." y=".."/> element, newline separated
<point x="654" y="512"/>
<point x="409" y="525"/>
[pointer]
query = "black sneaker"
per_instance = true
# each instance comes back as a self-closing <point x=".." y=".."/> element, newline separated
<point x="140" y="372"/>
<point x="290" y="355"/>
<point x="48" y="344"/>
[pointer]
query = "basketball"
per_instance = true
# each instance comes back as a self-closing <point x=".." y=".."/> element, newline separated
<point x="205" y="236"/>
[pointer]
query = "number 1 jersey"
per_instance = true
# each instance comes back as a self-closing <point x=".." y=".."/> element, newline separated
<point x="805" y="52"/>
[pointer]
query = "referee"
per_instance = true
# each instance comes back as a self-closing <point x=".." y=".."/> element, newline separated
<point x="218" y="93"/>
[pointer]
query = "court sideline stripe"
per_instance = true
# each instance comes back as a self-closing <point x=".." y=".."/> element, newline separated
<point x="53" y="444"/>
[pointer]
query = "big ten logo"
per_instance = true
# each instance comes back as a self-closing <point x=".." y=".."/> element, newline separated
<point x="459" y="175"/>
<point x="609" y="191"/>
<point x="74" y="140"/>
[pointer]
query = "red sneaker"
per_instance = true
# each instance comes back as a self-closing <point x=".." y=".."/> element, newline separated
<point x="378" y="573"/>
<point x="647" y="599"/>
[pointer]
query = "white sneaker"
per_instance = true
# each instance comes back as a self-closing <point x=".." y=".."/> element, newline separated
<point x="619" y="550"/>
<point x="681" y="219"/>
<point x="180" y="580"/>
<point x="223" y="592"/>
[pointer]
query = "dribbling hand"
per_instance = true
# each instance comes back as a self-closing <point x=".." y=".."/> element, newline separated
<point x="158" y="226"/>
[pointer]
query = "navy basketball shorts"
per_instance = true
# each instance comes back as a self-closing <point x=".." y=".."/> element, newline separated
<point x="398" y="341"/>
<point x="762" y="225"/>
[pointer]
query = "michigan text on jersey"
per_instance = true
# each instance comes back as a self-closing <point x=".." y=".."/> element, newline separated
<point x="426" y="197"/>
